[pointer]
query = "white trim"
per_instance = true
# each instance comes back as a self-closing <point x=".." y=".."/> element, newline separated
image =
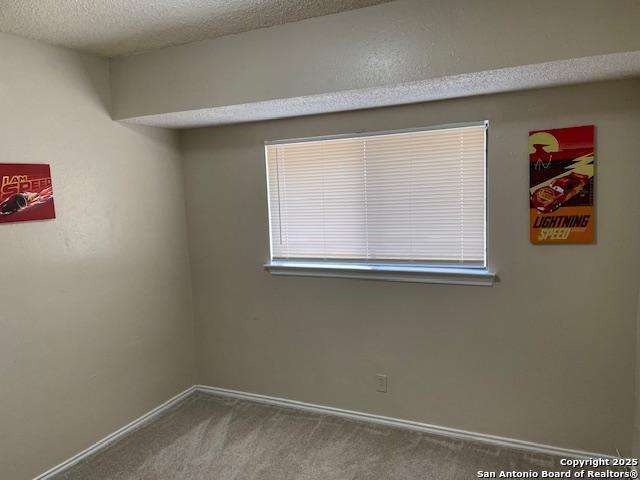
<point x="341" y="136"/>
<point x="266" y="176"/>
<point x="109" y="439"/>
<point x="486" y="195"/>
<point x="405" y="424"/>
<point x="391" y="273"/>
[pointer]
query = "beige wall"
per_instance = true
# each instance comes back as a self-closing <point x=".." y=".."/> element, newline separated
<point x="397" y="42"/>
<point x="545" y="355"/>
<point x="95" y="322"/>
<point x="96" y="313"/>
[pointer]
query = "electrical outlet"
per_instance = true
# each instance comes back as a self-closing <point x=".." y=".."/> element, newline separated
<point x="381" y="383"/>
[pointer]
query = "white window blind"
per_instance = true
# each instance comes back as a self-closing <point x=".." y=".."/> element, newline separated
<point x="414" y="197"/>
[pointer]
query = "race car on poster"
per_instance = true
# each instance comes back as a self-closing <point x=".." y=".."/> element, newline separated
<point x="551" y="197"/>
<point x="24" y="200"/>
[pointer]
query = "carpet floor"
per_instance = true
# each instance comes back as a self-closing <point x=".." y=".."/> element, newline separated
<point x="207" y="437"/>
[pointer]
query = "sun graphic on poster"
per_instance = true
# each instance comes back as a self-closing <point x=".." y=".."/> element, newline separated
<point x="542" y="146"/>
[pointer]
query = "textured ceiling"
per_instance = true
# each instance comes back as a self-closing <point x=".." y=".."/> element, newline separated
<point x="549" y="74"/>
<point x="121" y="27"/>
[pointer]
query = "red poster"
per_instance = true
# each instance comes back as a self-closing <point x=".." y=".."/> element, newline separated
<point x="561" y="171"/>
<point x="26" y="192"/>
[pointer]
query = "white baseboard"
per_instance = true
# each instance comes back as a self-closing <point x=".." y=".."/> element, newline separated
<point x="406" y="424"/>
<point x="360" y="416"/>
<point x="109" y="439"/>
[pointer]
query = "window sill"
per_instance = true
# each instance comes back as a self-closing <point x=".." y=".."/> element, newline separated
<point x="390" y="273"/>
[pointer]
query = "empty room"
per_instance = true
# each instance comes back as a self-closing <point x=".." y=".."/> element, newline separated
<point x="319" y="239"/>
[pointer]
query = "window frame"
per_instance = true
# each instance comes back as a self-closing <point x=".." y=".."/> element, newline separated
<point x="389" y="271"/>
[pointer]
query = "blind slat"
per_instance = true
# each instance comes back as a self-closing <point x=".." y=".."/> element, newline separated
<point x="410" y="197"/>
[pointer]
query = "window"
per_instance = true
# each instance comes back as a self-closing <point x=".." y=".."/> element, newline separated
<point x="406" y="205"/>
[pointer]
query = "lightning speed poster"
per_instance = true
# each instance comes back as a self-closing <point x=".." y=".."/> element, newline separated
<point x="561" y="181"/>
<point x="26" y="192"/>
